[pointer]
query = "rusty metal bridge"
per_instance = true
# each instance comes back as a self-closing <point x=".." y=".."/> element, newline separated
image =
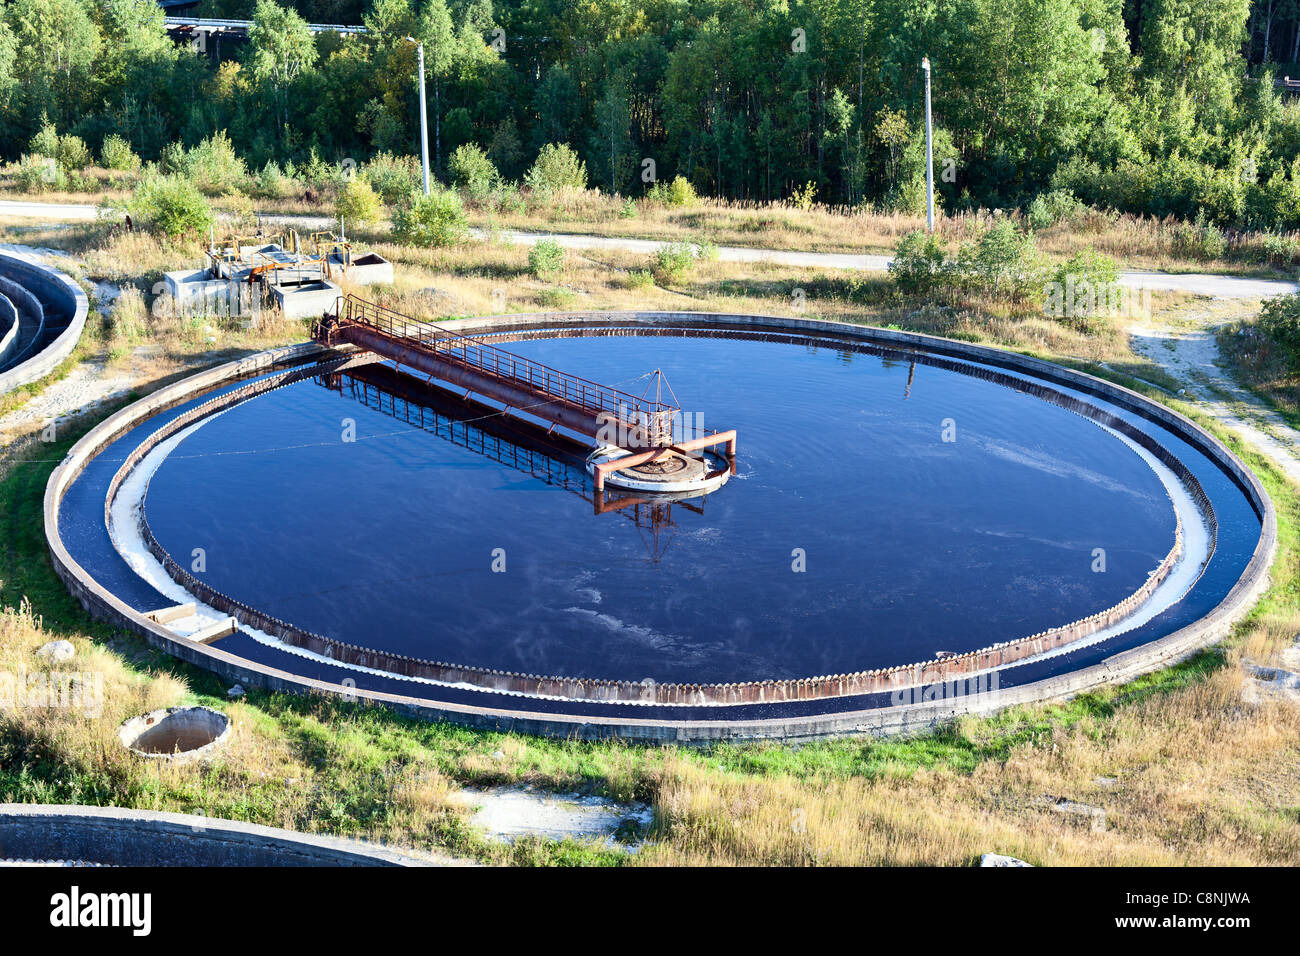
<point x="643" y="426"/>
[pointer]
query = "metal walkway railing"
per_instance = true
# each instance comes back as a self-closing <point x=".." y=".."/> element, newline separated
<point x="626" y="412"/>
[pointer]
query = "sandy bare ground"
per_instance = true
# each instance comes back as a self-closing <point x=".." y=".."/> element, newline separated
<point x="88" y="385"/>
<point x="1187" y="349"/>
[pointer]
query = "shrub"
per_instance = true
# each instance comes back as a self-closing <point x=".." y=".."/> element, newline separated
<point x="556" y="169"/>
<point x="1002" y="262"/>
<point x="70" y="152"/>
<point x="1047" y="209"/>
<point x="172" y="159"/>
<point x="1281" y="251"/>
<point x="73" y="153"/>
<point x="115" y="153"/>
<point x="679" y="192"/>
<point x="640" y="279"/>
<point x="46" y="142"/>
<point x="171" y="205"/>
<point x="1279" y="319"/>
<point x="803" y="197"/>
<point x="553" y="298"/>
<point x="319" y="174"/>
<point x="1095" y="268"/>
<point x="546" y="258"/>
<point x="393" y="177"/>
<point x="919" y="263"/>
<point x="628" y="209"/>
<point x="908" y="197"/>
<point x="1199" y="239"/>
<point x="472" y="170"/>
<point x="673" y="262"/>
<point x="506" y="197"/>
<point x="34" y="174"/>
<point x="82" y="183"/>
<point x="357" y="203"/>
<point x="214" y="166"/>
<point x="1083" y="288"/>
<point x="437" y="219"/>
<point x="273" y="183"/>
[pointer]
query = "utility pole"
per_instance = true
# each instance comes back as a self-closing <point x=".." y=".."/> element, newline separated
<point x="929" y="151"/>
<point x="424" y="115"/>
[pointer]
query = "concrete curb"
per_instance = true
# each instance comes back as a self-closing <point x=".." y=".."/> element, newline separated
<point x="52" y="356"/>
<point x="908" y="717"/>
<point x="118" y="836"/>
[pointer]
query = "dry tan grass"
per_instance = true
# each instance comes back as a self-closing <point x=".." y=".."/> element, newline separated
<point x="263" y="772"/>
<point x="1136" y="242"/>
<point x="1201" y="778"/>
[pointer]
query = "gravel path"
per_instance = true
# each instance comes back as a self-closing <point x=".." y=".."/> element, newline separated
<point x="86" y="386"/>
<point x="1190" y="354"/>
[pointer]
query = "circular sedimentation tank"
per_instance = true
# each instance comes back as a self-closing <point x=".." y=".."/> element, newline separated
<point x="915" y="528"/>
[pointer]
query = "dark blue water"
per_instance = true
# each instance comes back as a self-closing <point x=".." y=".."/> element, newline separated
<point x="912" y="544"/>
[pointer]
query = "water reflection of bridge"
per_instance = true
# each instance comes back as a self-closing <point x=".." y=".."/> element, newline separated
<point x="547" y="455"/>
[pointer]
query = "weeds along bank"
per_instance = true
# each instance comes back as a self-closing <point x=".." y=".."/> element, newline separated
<point x="181" y="193"/>
<point x="1137" y="242"/>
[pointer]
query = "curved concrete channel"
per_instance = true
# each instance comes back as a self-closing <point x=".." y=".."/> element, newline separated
<point x="517" y="712"/>
<point x="118" y="836"/>
<point x="8" y="331"/>
<point x="48" y="313"/>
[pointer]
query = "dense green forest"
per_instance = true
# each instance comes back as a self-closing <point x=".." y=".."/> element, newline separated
<point x="1151" y="106"/>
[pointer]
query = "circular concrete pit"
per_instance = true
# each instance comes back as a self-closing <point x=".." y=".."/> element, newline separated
<point x="177" y="733"/>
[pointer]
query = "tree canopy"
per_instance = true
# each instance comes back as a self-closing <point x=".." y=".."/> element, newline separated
<point x="1159" y="106"/>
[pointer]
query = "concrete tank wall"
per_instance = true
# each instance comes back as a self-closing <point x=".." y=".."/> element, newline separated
<point x="908" y="717"/>
<point x="116" y="836"/>
<point x="31" y="317"/>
